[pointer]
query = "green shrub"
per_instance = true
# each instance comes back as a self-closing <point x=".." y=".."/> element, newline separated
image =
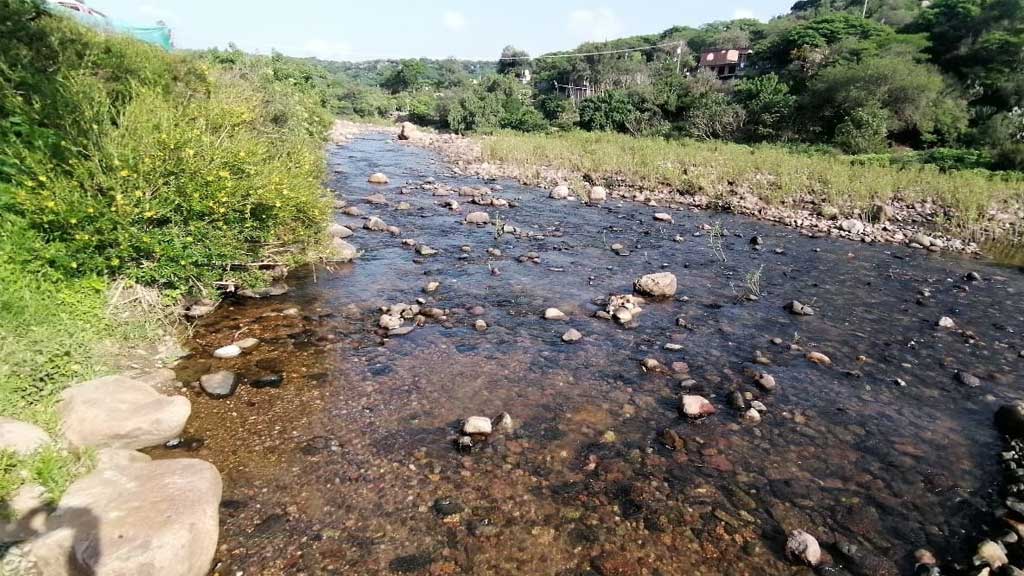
<point x="863" y="131"/>
<point x="630" y="112"/>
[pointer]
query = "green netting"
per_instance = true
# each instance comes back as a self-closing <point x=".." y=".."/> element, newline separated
<point x="156" y="34"/>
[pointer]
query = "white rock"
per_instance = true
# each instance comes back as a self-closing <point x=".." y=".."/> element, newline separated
<point x="480" y="325"/>
<point x="765" y="381"/>
<point x="390" y="321"/>
<point x="658" y="284"/>
<point x="752" y="416"/>
<point x="378" y="178"/>
<point x="20" y="437"/>
<point x="148" y="519"/>
<point x="696" y="406"/>
<point x="598" y="194"/>
<point x="992" y="554"/>
<point x="118" y="412"/>
<point x="554" y="314"/>
<point x="852" y="225"/>
<point x="424" y="250"/>
<point x="375" y="224"/>
<point x="802" y="547"/>
<point x="946" y="322"/>
<point x="342" y="251"/>
<point x="431" y="287"/>
<point x="477" y="425"/>
<point x="663" y="216"/>
<point x="571" y="335"/>
<point x="229" y="351"/>
<point x="478" y="218"/>
<point x="560" y="192"/>
<point x="338" y="231"/>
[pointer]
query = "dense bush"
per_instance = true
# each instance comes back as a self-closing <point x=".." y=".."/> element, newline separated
<point x="161" y="168"/>
<point x="630" y="112"/>
<point x="863" y="131"/>
<point x="498" y="102"/>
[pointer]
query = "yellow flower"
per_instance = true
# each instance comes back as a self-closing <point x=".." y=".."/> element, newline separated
<point x="51" y="204"/>
<point x="224" y="174"/>
<point x="124" y="173"/>
<point x="150" y="213"/>
<point x="74" y="220"/>
<point x="90" y="210"/>
<point x="74" y="264"/>
<point x="42" y="178"/>
<point x="115" y="261"/>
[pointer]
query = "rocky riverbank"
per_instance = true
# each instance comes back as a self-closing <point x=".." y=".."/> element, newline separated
<point x="894" y="223"/>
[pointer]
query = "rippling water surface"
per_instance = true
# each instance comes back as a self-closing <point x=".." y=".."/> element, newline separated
<point x="349" y="467"/>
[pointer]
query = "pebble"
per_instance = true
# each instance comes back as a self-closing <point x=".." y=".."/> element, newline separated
<point x="819" y="358"/>
<point x="424" y="250"/>
<point x="268" y="381"/>
<point x="752" y="416"/>
<point x="992" y="554"/>
<point x="247" y="343"/>
<point x="477" y="425"/>
<point x="765" y="381"/>
<point x="478" y="218"/>
<point x="662" y="217"/>
<point x="219" y="384"/>
<point x="480" y="325"/>
<point x="229" y="351"/>
<point x="695" y="406"/>
<point x="378" y="178"/>
<point x="504" y="424"/>
<point x="571" y="335"/>
<point x="431" y="287"/>
<point x="554" y="314"/>
<point x="672" y="440"/>
<point x="800" y="309"/>
<point x="968" y="379"/>
<point x="803" y="548"/>
<point x="946" y="322"/>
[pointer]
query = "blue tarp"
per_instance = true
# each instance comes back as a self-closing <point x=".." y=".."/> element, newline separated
<point x="156" y="34"/>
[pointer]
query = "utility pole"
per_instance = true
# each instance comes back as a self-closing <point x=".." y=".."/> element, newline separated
<point x="864" y="13"/>
<point x="679" y="56"/>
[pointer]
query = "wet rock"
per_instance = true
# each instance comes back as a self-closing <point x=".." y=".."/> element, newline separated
<point x="658" y="284"/>
<point x="672" y="440"/>
<point x="662" y="217"/>
<point x="247" y="343"/>
<point x="597" y="194"/>
<point x="819" y="358"/>
<point x="651" y="365"/>
<point x="477" y="425"/>
<point x="800" y="309"/>
<point x="737" y="401"/>
<point x="199" y="308"/>
<point x="276" y="289"/>
<point x="375" y="224"/>
<point x="852" y="225"/>
<point x="401" y="331"/>
<point x="765" y="381"/>
<point x="752" y="416"/>
<point x="445" y="507"/>
<point x="694" y="406"/>
<point x="571" y="335"/>
<point x="1009" y="420"/>
<point x="378" y="178"/>
<point x="20" y="437"/>
<point x="554" y="314"/>
<point x="354" y="211"/>
<point x="560" y="192"/>
<point x="923" y="557"/>
<point x="480" y="325"/>
<point x="268" y="381"/>
<point x="946" y="322"/>
<point x="144" y="519"/>
<point x="230" y="351"/>
<point x="478" y="218"/>
<point x="863" y="562"/>
<point x="431" y="287"/>
<point x="376" y="199"/>
<point x="390" y="321"/>
<point x="219" y="384"/>
<point x="494" y="252"/>
<point x="338" y="231"/>
<point x="756" y="241"/>
<point x="972" y="277"/>
<point x="342" y="251"/>
<point x="119" y="412"/>
<point x="968" y="379"/>
<point x="503" y="424"/>
<point x="803" y="548"/>
<point x="424" y="250"/>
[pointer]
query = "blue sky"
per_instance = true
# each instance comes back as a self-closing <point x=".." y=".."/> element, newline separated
<point x="366" y="29"/>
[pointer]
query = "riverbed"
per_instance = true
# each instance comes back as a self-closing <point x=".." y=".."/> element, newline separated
<point x="350" y="465"/>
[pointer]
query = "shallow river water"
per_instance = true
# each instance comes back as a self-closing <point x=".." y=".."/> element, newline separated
<point x="349" y="467"/>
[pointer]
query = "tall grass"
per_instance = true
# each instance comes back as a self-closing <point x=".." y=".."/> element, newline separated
<point x="121" y="161"/>
<point x="776" y="175"/>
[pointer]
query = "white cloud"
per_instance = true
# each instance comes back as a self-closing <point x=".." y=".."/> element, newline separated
<point x="590" y="25"/>
<point x="454" y="20"/>
<point x="743" y="13"/>
<point x="325" y="49"/>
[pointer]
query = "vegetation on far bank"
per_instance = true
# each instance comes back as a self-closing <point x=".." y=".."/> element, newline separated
<point x="720" y="171"/>
<point x="121" y="161"/>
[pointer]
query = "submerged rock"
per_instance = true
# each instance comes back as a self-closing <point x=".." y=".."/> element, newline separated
<point x="571" y="335"/>
<point x="803" y="548"/>
<point x="695" y="406"/>
<point x="219" y="384"/>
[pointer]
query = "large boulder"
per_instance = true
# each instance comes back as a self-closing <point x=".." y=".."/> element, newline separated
<point x="338" y="231"/>
<point x="119" y="412"/>
<point x="598" y="194"/>
<point x="659" y="284"/>
<point x="478" y="218"/>
<point x="20" y="437"/>
<point x="139" y="519"/>
<point x="560" y="192"/>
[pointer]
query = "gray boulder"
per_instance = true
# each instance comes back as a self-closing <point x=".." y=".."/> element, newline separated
<point x="144" y="519"/>
<point x="119" y="412"/>
<point x="659" y="284"/>
<point x="342" y="251"/>
<point x="21" y="437"/>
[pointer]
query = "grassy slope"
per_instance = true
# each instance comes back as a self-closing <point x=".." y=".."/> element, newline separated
<point x="778" y="176"/>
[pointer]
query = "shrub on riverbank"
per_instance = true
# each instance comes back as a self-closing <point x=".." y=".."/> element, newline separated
<point x="119" y="160"/>
<point x="776" y="175"/>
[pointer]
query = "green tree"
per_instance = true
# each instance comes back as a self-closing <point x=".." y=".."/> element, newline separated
<point x="863" y="131"/>
<point x="768" y="105"/>
<point x="513" y="61"/>
<point x="409" y="75"/>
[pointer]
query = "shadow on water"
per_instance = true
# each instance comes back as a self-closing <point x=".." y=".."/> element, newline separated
<point x="340" y="469"/>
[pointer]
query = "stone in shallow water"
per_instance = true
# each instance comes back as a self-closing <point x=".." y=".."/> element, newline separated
<point x="554" y="314"/>
<point x="378" y="178"/>
<point x="803" y="548"/>
<point x="119" y="412"/>
<point x="146" y="519"/>
<point x="268" y="381"/>
<point x="230" y="351"/>
<point x="571" y="335"/>
<point x="695" y="406"/>
<point x="219" y="384"/>
<point x="477" y="425"/>
<point x="658" y="284"/>
<point x="478" y="218"/>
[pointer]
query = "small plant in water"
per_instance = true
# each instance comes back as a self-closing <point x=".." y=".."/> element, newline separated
<point x="754" y="282"/>
<point x="715" y="236"/>
<point x="499" y="227"/>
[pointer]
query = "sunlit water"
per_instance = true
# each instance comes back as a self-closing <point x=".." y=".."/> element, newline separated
<point x="338" y="470"/>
